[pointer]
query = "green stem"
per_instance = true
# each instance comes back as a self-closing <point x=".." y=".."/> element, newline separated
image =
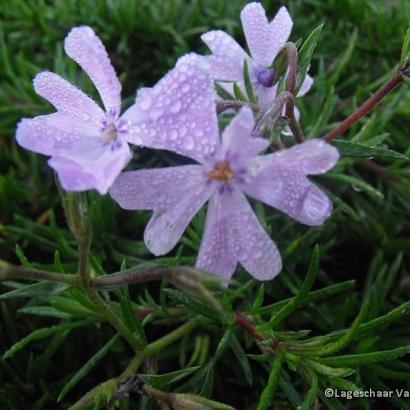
<point x="135" y="363"/>
<point x="11" y="272"/>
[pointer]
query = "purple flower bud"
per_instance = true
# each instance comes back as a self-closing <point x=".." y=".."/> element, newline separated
<point x="266" y="77"/>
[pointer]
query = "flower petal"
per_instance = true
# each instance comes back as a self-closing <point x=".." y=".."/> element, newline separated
<point x="95" y="168"/>
<point x="179" y="112"/>
<point x="306" y="86"/>
<point x="280" y="180"/>
<point x="175" y="194"/>
<point x="266" y="95"/>
<point x="83" y="46"/>
<point x="227" y="59"/>
<point x="233" y="233"/>
<point x="217" y="252"/>
<point x="258" y="254"/>
<point x="67" y="98"/>
<point x="292" y="193"/>
<point x="54" y="134"/>
<point x="237" y="139"/>
<point x="265" y="39"/>
<point x="312" y="157"/>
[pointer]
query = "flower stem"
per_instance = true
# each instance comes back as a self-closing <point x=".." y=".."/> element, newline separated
<point x="368" y="105"/>
<point x="11" y="272"/>
<point x="76" y="210"/>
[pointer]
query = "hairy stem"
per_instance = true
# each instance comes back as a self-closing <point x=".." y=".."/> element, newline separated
<point x="367" y="106"/>
<point x="11" y="272"/>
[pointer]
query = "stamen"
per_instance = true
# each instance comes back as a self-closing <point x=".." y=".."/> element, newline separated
<point x="110" y="133"/>
<point x="222" y="172"/>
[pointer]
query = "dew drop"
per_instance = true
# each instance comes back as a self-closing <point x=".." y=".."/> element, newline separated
<point x="176" y="107"/>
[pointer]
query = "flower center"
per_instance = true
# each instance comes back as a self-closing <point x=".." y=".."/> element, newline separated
<point x="222" y="172"/>
<point x="110" y="133"/>
<point x="266" y="77"/>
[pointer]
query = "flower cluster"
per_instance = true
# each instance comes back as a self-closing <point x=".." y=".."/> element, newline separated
<point x="89" y="146"/>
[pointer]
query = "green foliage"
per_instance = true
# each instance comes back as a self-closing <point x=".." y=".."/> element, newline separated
<point x="342" y="323"/>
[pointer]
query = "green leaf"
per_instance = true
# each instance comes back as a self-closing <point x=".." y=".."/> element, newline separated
<point x="85" y="369"/>
<point x="355" y="150"/>
<point x="238" y="92"/>
<point x="357" y="184"/>
<point x="43" y="333"/>
<point x="259" y="299"/>
<point x="295" y="302"/>
<point x="405" y="50"/>
<point x="305" y="55"/>
<point x="365" y="358"/>
<point x="194" y="304"/>
<point x="242" y="359"/>
<point x="334" y="347"/>
<point x="35" y="290"/>
<point x="343" y="384"/>
<point x="345" y="58"/>
<point x="160" y="380"/>
<point x="314" y="296"/>
<point x="44" y="311"/>
<point x="330" y="371"/>
<point x="312" y="392"/>
<point x="22" y="258"/>
<point x="248" y="84"/>
<point x="130" y="317"/>
<point x="269" y="390"/>
<point x="222" y="92"/>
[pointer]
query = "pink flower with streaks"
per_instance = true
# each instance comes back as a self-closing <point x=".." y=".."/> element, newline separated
<point x="227" y="170"/>
<point x="264" y="39"/>
<point x="88" y="146"/>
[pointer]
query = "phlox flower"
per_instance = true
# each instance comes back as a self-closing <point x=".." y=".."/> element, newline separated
<point x="264" y="39"/>
<point x="88" y="146"/>
<point x="226" y="170"/>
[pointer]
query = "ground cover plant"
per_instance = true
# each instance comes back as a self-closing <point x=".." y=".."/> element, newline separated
<point x="98" y="314"/>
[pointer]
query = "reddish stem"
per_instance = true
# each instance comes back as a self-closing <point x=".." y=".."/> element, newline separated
<point x="367" y="106"/>
<point x="249" y="327"/>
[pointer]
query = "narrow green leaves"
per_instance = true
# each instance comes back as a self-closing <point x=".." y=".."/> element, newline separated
<point x="357" y="184"/>
<point x="350" y="149"/>
<point x="43" y="333"/>
<point x="248" y="84"/>
<point x="334" y="347"/>
<point x="85" y="369"/>
<point x="365" y="358"/>
<point x="269" y="390"/>
<point x="305" y="55"/>
<point x="298" y="299"/>
<point x="129" y="315"/>
<point x="405" y="50"/>
<point x="162" y="380"/>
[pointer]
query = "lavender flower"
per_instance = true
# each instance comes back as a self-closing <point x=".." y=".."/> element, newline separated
<point x="88" y="147"/>
<point x="227" y="170"/>
<point x="264" y="40"/>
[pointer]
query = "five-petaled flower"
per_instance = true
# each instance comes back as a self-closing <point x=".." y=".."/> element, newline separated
<point x="88" y="146"/>
<point x="265" y="39"/>
<point x="228" y="170"/>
